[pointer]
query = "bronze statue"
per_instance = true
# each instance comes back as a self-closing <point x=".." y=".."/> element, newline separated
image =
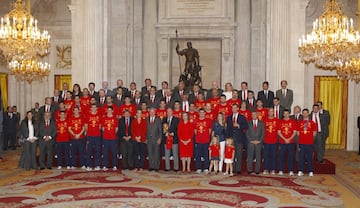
<point x="191" y="74"/>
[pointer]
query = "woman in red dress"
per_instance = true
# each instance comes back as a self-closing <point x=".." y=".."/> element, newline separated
<point x="186" y="141"/>
<point x="138" y="130"/>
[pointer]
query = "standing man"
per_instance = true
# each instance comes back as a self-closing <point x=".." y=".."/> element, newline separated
<point x="126" y="142"/>
<point x="202" y="139"/>
<point x="77" y="138"/>
<point x="306" y="132"/>
<point x="287" y="132"/>
<point x="278" y="109"/>
<point x="153" y="138"/>
<point x="285" y="95"/>
<point x="48" y="107"/>
<point x="93" y="134"/>
<point x="255" y="135"/>
<point x="266" y="95"/>
<point x="109" y="128"/>
<point x="322" y="121"/>
<point x="47" y="133"/>
<point x="10" y="121"/>
<point x="171" y="143"/>
<point x="236" y="127"/>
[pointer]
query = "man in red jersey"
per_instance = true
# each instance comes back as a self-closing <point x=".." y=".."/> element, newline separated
<point x="215" y="99"/>
<point x="262" y="112"/>
<point x="109" y="126"/>
<point x="109" y="102"/>
<point x="209" y="112"/>
<point x="287" y="132"/>
<point x="270" y="142"/>
<point x="77" y="141"/>
<point x="193" y="115"/>
<point x="85" y="99"/>
<point x="177" y="110"/>
<point x="223" y="107"/>
<point x="62" y="141"/>
<point x="202" y="139"/>
<point x="69" y="102"/>
<point x="306" y="132"/>
<point x="144" y="110"/>
<point x="93" y="134"/>
<point x="127" y="106"/>
<point x="234" y="99"/>
<point x="161" y="111"/>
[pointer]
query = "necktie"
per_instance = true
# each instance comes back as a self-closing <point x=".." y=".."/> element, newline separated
<point x="234" y="119"/>
<point x="169" y="121"/>
<point x="132" y="94"/>
<point x="47" y="108"/>
<point x="56" y="99"/>
<point x="266" y="94"/>
<point x="152" y="120"/>
<point x="47" y="124"/>
<point x="255" y="126"/>
<point x="127" y="126"/>
<point x="184" y="107"/>
<point x="137" y="101"/>
<point x="119" y="97"/>
<point x="152" y="99"/>
<point x="102" y="101"/>
<point x="243" y="94"/>
<point x="91" y="93"/>
<point x="284" y="93"/>
<point x="181" y="92"/>
<point x="64" y="94"/>
<point x="167" y="99"/>
<point x="251" y="104"/>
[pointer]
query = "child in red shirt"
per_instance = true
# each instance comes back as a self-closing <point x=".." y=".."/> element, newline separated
<point x="214" y="153"/>
<point x="229" y="156"/>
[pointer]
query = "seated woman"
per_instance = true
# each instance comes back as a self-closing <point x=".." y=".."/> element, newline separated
<point x="29" y="132"/>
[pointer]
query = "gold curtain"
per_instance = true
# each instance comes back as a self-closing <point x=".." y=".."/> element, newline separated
<point x="334" y="95"/>
<point x="4" y="89"/>
<point x="61" y="79"/>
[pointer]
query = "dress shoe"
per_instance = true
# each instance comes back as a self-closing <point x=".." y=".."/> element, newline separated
<point x="49" y="168"/>
<point x="42" y="168"/>
<point x="239" y="172"/>
<point x="257" y="173"/>
<point x="249" y="172"/>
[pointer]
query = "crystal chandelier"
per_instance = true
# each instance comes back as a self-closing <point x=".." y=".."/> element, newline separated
<point x="22" y="42"/>
<point x="349" y="70"/>
<point x="29" y="69"/>
<point x="333" y="40"/>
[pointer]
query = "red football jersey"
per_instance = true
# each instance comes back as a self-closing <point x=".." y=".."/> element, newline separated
<point x="271" y="126"/>
<point x="203" y="129"/>
<point x="109" y="125"/>
<point x="62" y="131"/>
<point x="287" y="128"/>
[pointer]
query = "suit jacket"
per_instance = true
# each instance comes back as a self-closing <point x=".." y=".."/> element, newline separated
<point x="122" y="128"/>
<point x="324" y="122"/>
<point x="176" y="94"/>
<point x="47" y="131"/>
<point x="144" y="91"/>
<point x="192" y="97"/>
<point x="294" y="118"/>
<point x="281" y="112"/>
<point x="58" y="100"/>
<point x="124" y="89"/>
<point x="159" y="94"/>
<point x="42" y="109"/>
<point x="257" y="134"/>
<point x="240" y="95"/>
<point x="286" y="101"/>
<point x="24" y="129"/>
<point x="267" y="102"/>
<point x="238" y="134"/>
<point x="117" y="101"/>
<point x="249" y="107"/>
<point x="9" y="124"/>
<point x="154" y="104"/>
<point x="109" y="92"/>
<point x="358" y="122"/>
<point x="95" y="94"/>
<point x="154" y="131"/>
<point x="173" y="128"/>
<point x="62" y="94"/>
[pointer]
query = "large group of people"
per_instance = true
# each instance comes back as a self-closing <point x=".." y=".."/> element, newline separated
<point x="93" y="129"/>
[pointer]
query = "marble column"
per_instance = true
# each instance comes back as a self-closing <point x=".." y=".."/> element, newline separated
<point x="242" y="69"/>
<point x="87" y="42"/>
<point x="149" y="38"/>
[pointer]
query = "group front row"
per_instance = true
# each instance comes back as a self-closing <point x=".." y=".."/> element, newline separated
<point x="87" y="141"/>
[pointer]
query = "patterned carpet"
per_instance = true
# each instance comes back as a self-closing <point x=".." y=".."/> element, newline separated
<point x="77" y="188"/>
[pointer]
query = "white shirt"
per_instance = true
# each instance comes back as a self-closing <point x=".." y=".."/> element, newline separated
<point x="31" y="130"/>
<point x="316" y="117"/>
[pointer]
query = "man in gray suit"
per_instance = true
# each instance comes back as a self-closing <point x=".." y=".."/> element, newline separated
<point x="153" y="138"/>
<point x="285" y="95"/>
<point x="322" y="119"/>
<point x="47" y="133"/>
<point x="255" y="136"/>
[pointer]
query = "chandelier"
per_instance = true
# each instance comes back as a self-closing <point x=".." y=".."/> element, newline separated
<point x="349" y="70"/>
<point x="29" y="69"/>
<point x="21" y="42"/>
<point x="333" y="40"/>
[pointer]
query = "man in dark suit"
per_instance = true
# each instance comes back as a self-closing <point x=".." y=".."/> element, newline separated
<point x="297" y="114"/>
<point x="119" y="96"/>
<point x="194" y="94"/>
<point x="179" y="91"/>
<point x="152" y="100"/>
<point x="236" y="127"/>
<point x="214" y="86"/>
<point x="47" y="133"/>
<point x="153" y="137"/>
<point x="266" y="95"/>
<point x="285" y="95"/>
<point x="105" y="87"/>
<point x="92" y="92"/>
<point x="161" y="93"/>
<point x="278" y="109"/>
<point x="126" y="142"/>
<point x="255" y="135"/>
<point x="169" y="99"/>
<point x="101" y="100"/>
<point x="56" y="98"/>
<point x="243" y="92"/>
<point x="322" y="120"/>
<point x="251" y="101"/>
<point x="171" y="140"/>
<point x="137" y="99"/>
<point x="64" y="90"/>
<point x="10" y="121"/>
<point x="146" y="89"/>
<point x="120" y="83"/>
<point x="48" y="107"/>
